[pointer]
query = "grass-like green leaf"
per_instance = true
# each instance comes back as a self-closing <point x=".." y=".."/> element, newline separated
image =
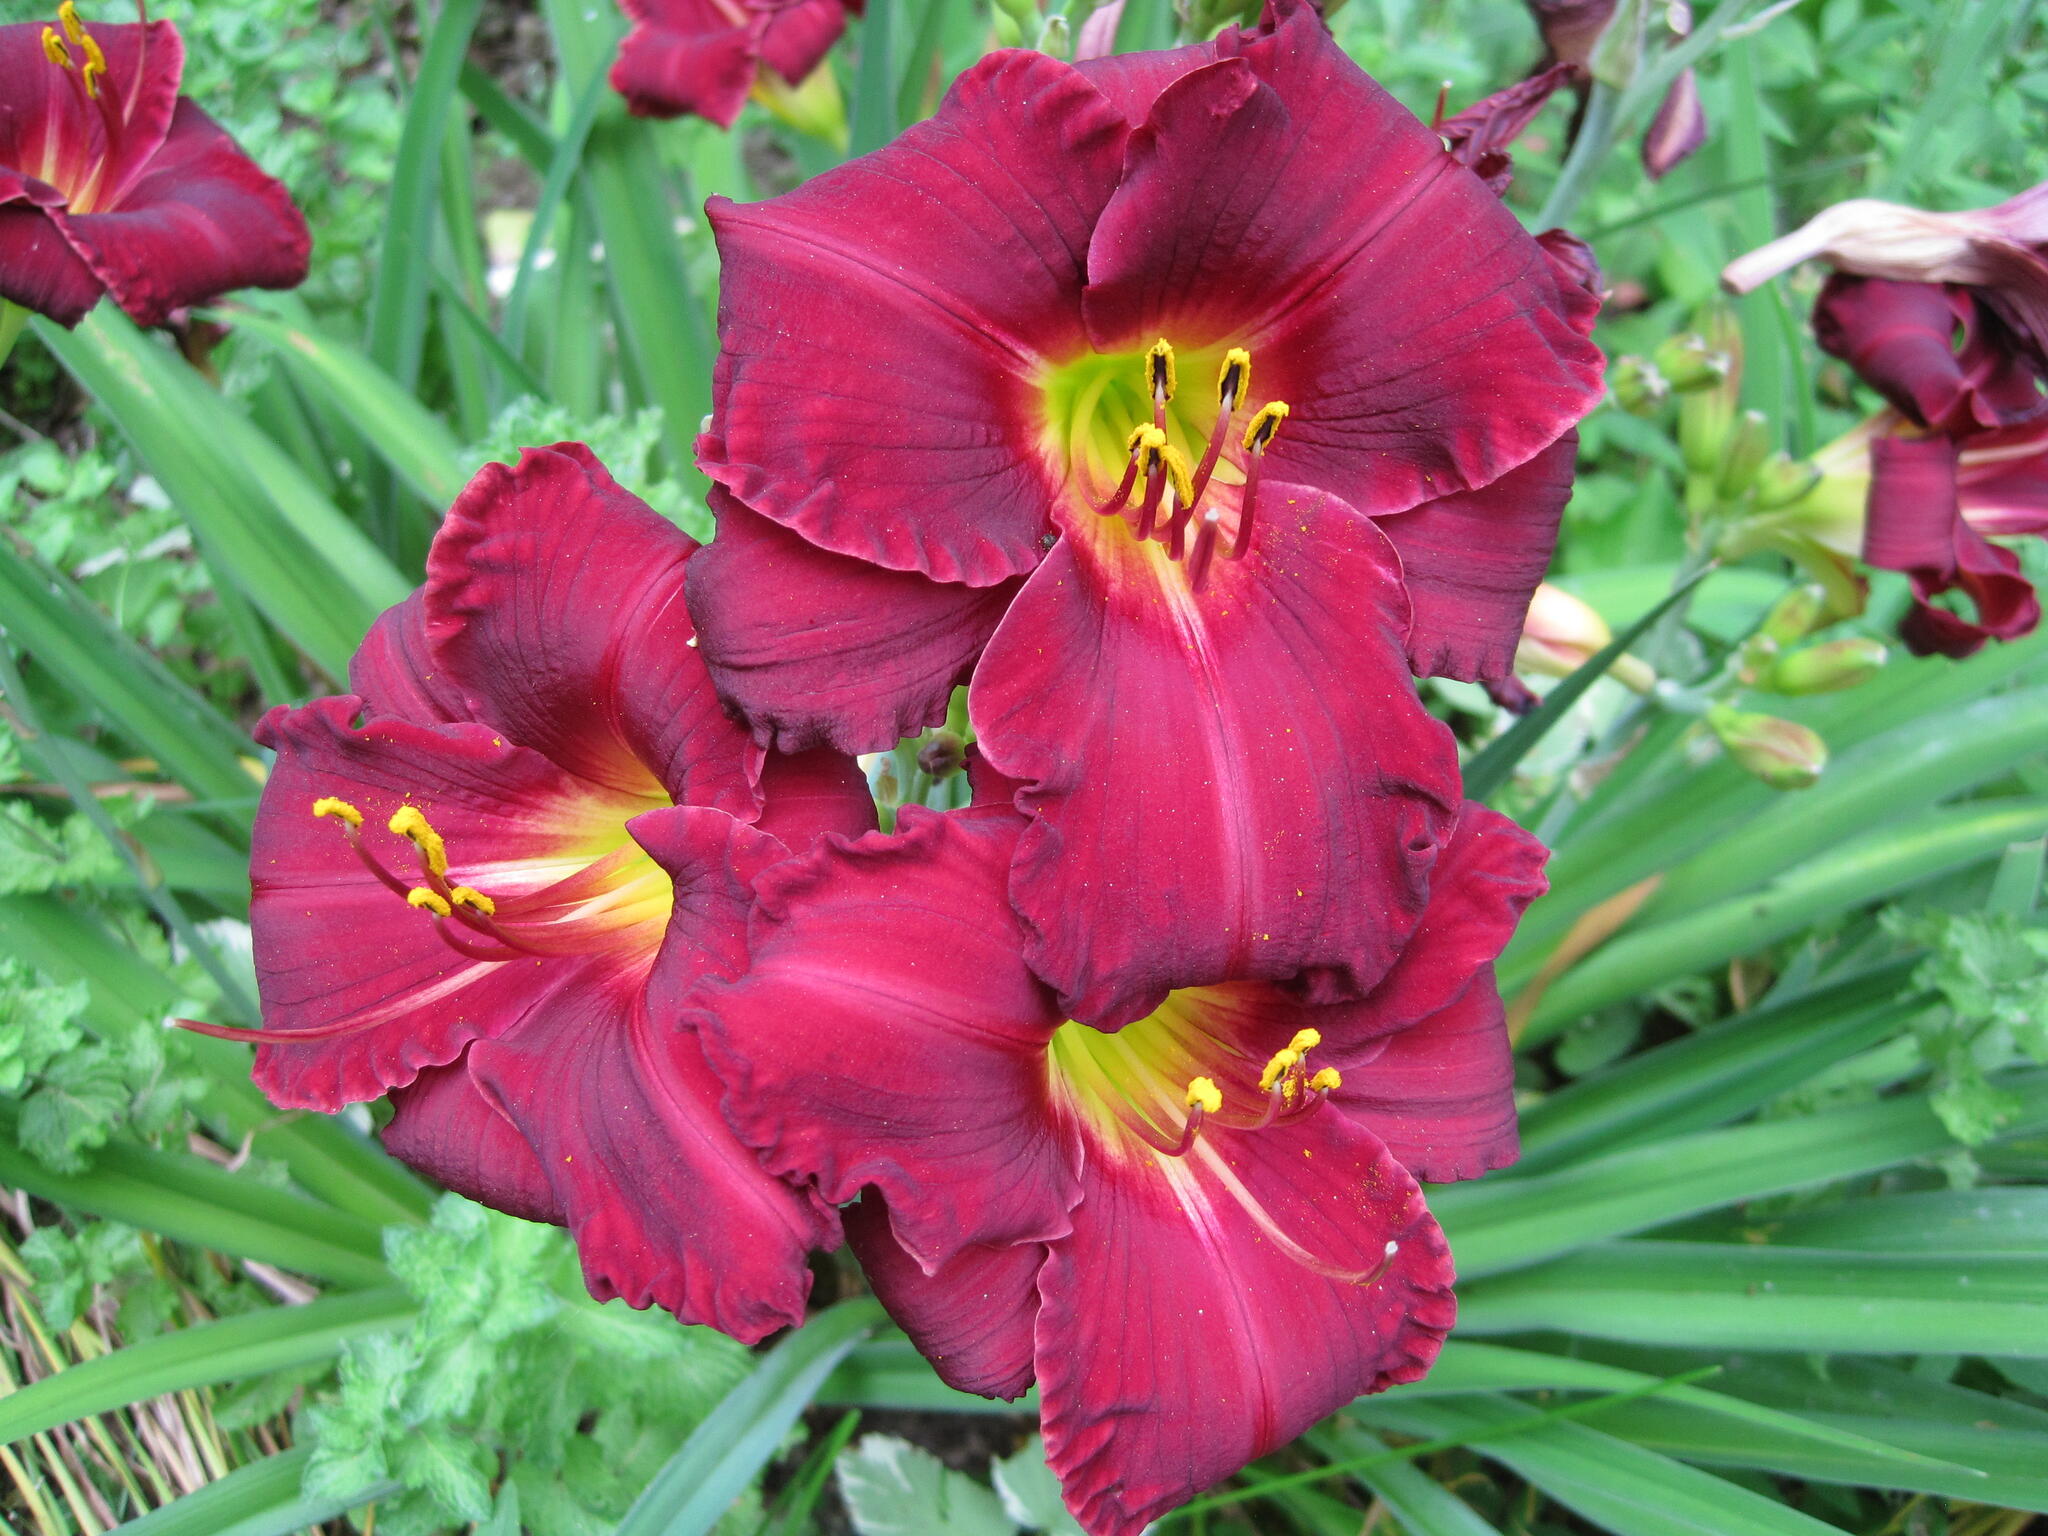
<point x="261" y="1499"/>
<point x="274" y="1339"/>
<point x="689" y="1495"/>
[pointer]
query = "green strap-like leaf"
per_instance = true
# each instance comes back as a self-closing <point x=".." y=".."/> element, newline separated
<point x="274" y="1339"/>
<point x="689" y="1495"/>
<point x="261" y="1499"/>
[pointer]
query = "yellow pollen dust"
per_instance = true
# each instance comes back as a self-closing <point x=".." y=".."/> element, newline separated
<point x="54" y="49"/>
<point x="329" y="805"/>
<point x="1203" y="1094"/>
<point x="463" y="896"/>
<point x="409" y="822"/>
<point x="1281" y="1062"/>
<point x="1234" y="378"/>
<point x="427" y="899"/>
<point x="1326" y="1080"/>
<point x="1180" y="477"/>
<point x="1264" y="425"/>
<point x="1159" y="370"/>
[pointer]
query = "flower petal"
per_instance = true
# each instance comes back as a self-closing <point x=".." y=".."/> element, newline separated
<point x="342" y="959"/>
<point x="806" y="795"/>
<point x="444" y="1126"/>
<point x="1901" y="340"/>
<point x="1678" y="129"/>
<point x="797" y="37"/>
<point x="1915" y="525"/>
<point x="38" y="268"/>
<point x="666" y="1206"/>
<point x="684" y="56"/>
<point x="972" y="1318"/>
<point x="1394" y="306"/>
<point x="1240" y="784"/>
<point x="888" y="1033"/>
<point x="1471" y="563"/>
<point x="1441" y="1092"/>
<point x="815" y="647"/>
<point x="395" y="672"/>
<point x="884" y="326"/>
<point x="555" y="600"/>
<point x="1179" y="1341"/>
<point x="1489" y="872"/>
<point x="200" y="219"/>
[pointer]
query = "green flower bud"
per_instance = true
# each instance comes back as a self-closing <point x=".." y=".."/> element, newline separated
<point x="1637" y="386"/>
<point x="1007" y="33"/>
<point x="1054" y="38"/>
<point x="1796" y="615"/>
<point x="1783" y="753"/>
<point x="1705" y="418"/>
<point x="1783" y="480"/>
<point x="1748" y="444"/>
<point x="1825" y="668"/>
<point x="1690" y="363"/>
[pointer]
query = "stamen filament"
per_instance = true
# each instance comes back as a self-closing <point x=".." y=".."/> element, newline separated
<point x="1144" y="443"/>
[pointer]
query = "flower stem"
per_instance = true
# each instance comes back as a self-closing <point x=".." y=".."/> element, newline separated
<point x="12" y="319"/>
<point x="1589" y="152"/>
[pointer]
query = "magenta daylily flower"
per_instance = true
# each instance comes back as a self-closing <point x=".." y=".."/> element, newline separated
<point x="702" y="58"/>
<point x="1173" y="397"/>
<point x="484" y="882"/>
<point x="1199" y="1234"/>
<point x="111" y="182"/>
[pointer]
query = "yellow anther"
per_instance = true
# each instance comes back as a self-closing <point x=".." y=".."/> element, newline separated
<point x="408" y="821"/>
<point x="1260" y="433"/>
<point x="1145" y="440"/>
<point x="90" y="73"/>
<point x="1159" y="374"/>
<point x="1234" y="379"/>
<point x="463" y="896"/>
<point x="1180" y="477"/>
<point x="1305" y="1040"/>
<point x="328" y="805"/>
<point x="54" y="49"/>
<point x="1204" y="1095"/>
<point x="427" y="899"/>
<point x="67" y="15"/>
<point x="1281" y="1062"/>
<point x="94" y="54"/>
<point x="1326" y="1079"/>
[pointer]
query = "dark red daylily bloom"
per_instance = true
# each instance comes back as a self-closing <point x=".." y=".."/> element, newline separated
<point x="1933" y="501"/>
<point x="1198" y="1234"/>
<point x="1936" y="351"/>
<point x="702" y="57"/>
<point x="485" y="881"/>
<point x="1961" y="460"/>
<point x="1185" y="391"/>
<point x="111" y="182"/>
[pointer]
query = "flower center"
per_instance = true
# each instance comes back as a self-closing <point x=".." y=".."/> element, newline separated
<point x="1134" y="447"/>
<point x="74" y="168"/>
<point x="1150" y="1089"/>
<point x="618" y="901"/>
